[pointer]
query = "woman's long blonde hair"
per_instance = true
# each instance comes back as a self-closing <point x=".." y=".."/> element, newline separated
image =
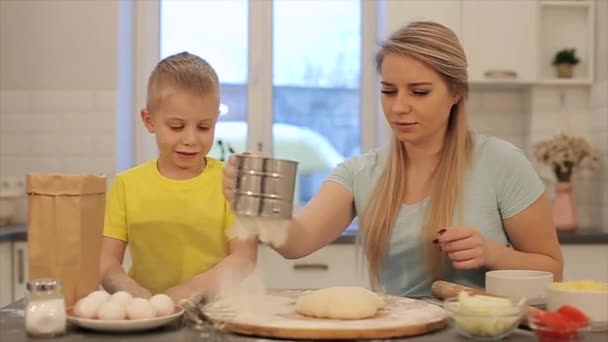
<point x="438" y="47"/>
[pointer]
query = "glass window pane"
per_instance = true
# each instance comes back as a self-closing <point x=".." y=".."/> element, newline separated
<point x="316" y="71"/>
<point x="217" y="31"/>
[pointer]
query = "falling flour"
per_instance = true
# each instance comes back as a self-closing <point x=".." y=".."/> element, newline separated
<point x="268" y="230"/>
<point x="244" y="297"/>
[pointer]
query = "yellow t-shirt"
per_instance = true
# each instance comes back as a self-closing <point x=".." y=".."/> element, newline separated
<point x="175" y="228"/>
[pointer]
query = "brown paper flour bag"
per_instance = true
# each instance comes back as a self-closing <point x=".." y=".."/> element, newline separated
<point x="65" y="224"/>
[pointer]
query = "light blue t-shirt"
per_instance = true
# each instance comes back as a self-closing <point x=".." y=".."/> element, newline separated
<point x="502" y="182"/>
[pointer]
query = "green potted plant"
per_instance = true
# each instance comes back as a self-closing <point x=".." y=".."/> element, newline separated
<point x="565" y="60"/>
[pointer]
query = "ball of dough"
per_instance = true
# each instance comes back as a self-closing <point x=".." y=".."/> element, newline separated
<point x="163" y="304"/>
<point x="140" y="308"/>
<point x="111" y="311"/>
<point x="88" y="307"/>
<point x="100" y="295"/>
<point x="121" y="297"/>
<point x="340" y="302"/>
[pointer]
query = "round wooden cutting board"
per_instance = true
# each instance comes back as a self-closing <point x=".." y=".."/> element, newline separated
<point x="277" y="318"/>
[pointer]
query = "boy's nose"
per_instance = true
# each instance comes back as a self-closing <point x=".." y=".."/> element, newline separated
<point x="188" y="138"/>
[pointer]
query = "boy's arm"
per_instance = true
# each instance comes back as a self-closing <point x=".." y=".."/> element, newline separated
<point x="241" y="261"/>
<point x="113" y="276"/>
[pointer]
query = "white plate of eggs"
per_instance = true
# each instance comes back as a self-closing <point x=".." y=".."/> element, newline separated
<point x="121" y="312"/>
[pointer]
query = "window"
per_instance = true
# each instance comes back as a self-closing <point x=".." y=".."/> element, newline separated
<point x="297" y="93"/>
<point x="217" y="31"/>
<point x="316" y="72"/>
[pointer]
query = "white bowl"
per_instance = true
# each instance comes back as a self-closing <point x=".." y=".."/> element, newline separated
<point x="518" y="284"/>
<point x="593" y="303"/>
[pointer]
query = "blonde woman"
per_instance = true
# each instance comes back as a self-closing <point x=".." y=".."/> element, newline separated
<point x="438" y="202"/>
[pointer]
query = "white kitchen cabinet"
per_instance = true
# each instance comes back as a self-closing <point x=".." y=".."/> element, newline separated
<point x="567" y="24"/>
<point x="445" y="12"/>
<point x="20" y="269"/>
<point x="585" y="262"/>
<point x="500" y="35"/>
<point x="334" y="265"/>
<point x="6" y="274"/>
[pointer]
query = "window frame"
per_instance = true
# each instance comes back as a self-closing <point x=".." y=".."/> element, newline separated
<point x="146" y="53"/>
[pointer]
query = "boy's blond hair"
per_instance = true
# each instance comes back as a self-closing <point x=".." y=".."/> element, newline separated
<point x="183" y="71"/>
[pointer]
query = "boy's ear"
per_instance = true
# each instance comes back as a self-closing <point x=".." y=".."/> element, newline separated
<point x="146" y="118"/>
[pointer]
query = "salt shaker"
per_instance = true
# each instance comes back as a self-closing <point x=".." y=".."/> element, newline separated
<point x="45" y="314"/>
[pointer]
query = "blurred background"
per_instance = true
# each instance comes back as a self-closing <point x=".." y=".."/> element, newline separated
<point x="297" y="81"/>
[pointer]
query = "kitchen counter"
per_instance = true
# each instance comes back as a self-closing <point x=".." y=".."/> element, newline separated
<point x="584" y="236"/>
<point x="12" y="329"/>
<point x="13" y="233"/>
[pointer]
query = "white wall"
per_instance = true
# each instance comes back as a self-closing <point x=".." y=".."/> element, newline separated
<point x="599" y="107"/>
<point x="58" y="62"/>
<point x="58" y="75"/>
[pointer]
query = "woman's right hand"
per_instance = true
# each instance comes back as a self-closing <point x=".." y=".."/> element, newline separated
<point x="229" y="179"/>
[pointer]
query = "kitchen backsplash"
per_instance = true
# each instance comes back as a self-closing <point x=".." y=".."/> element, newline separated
<point x="500" y="112"/>
<point x="523" y="116"/>
<point x="55" y="131"/>
<point x="73" y="131"/>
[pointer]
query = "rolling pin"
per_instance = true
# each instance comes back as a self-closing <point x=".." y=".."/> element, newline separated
<point x="445" y="289"/>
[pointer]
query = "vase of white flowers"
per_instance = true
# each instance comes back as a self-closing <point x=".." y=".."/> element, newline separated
<point x="566" y="155"/>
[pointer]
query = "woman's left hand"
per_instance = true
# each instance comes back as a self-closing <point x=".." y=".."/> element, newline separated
<point x="465" y="246"/>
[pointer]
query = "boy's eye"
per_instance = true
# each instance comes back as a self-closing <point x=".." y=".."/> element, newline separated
<point x="175" y="128"/>
<point x="388" y="91"/>
<point x="203" y="128"/>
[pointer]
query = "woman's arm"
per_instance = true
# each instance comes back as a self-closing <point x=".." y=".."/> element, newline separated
<point x="112" y="275"/>
<point x="320" y="222"/>
<point x="523" y="203"/>
<point x="534" y="239"/>
<point x="237" y="264"/>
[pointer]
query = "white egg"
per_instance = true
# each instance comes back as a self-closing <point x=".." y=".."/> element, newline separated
<point x="121" y="297"/>
<point x="87" y="307"/>
<point x="163" y="304"/>
<point x="111" y="311"/>
<point x="140" y="308"/>
<point x="100" y="295"/>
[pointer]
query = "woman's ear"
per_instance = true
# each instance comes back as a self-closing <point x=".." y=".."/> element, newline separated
<point x="146" y="118"/>
<point x="456" y="97"/>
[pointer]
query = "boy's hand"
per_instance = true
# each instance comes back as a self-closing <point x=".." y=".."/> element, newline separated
<point x="141" y="293"/>
<point x="184" y="291"/>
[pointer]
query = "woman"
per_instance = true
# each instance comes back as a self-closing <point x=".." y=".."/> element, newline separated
<point x="438" y="202"/>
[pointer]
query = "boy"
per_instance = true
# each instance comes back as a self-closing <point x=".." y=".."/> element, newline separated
<point x="171" y="211"/>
